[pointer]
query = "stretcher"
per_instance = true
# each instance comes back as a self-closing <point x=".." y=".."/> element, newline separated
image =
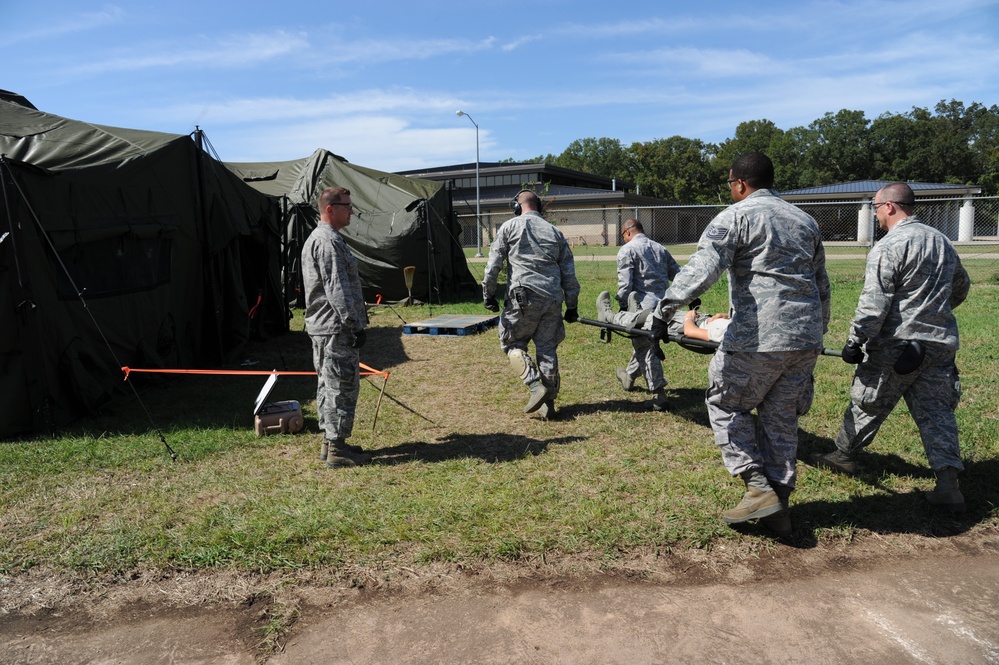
<point x="607" y="330"/>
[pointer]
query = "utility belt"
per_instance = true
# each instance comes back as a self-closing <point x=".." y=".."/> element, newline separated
<point x="524" y="296"/>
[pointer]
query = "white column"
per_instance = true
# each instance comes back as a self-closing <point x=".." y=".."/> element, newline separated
<point x="865" y="223"/>
<point x="966" y="221"/>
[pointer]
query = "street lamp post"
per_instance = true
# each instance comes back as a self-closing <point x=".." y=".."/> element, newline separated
<point x="478" y="198"/>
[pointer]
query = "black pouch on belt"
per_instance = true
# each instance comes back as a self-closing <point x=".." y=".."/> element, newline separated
<point x="911" y="357"/>
<point x="520" y="295"/>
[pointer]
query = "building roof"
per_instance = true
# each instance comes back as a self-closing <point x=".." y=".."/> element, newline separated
<point x="511" y="168"/>
<point x="562" y="186"/>
<point x="860" y="189"/>
<point x="561" y="195"/>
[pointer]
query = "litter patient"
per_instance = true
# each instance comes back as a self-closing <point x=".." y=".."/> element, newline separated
<point x="689" y="323"/>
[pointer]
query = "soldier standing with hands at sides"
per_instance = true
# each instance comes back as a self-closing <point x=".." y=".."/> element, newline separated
<point x="541" y="274"/>
<point x="905" y="321"/>
<point x="335" y="318"/>
<point x="779" y="304"/>
<point x="644" y="270"/>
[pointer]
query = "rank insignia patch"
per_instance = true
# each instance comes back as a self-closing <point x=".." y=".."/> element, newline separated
<point x="715" y="232"/>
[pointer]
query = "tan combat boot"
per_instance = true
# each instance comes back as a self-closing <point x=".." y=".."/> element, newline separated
<point x="627" y="380"/>
<point x="539" y="393"/>
<point x="759" y="500"/>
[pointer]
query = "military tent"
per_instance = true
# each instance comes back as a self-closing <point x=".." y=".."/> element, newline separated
<point x="400" y="222"/>
<point x="120" y="247"/>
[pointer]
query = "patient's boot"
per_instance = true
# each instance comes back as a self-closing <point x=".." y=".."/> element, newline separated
<point x="605" y="311"/>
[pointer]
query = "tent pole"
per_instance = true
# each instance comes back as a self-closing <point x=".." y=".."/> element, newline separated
<point x="210" y="287"/>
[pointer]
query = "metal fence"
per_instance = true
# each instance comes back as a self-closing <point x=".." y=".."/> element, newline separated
<point x="971" y="222"/>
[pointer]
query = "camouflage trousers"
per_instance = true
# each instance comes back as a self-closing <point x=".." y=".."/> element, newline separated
<point x="531" y="317"/>
<point x="780" y="387"/>
<point x="644" y="361"/>
<point x="336" y="364"/>
<point x="931" y="392"/>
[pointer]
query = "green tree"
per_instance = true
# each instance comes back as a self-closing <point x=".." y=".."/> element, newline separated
<point x="952" y="131"/>
<point x="953" y="143"/>
<point x="985" y="143"/>
<point x="540" y="159"/>
<point x="751" y="136"/>
<point x="677" y="169"/>
<point x="789" y="152"/>
<point x="604" y="156"/>
<point x="892" y="138"/>
<point x="839" y="148"/>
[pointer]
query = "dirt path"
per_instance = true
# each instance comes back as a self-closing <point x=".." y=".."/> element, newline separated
<point x="930" y="611"/>
<point x="938" y="605"/>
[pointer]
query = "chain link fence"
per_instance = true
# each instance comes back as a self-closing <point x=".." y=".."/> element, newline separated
<point x="972" y="223"/>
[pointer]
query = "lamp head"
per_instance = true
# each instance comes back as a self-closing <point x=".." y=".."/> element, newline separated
<point x="460" y="113"/>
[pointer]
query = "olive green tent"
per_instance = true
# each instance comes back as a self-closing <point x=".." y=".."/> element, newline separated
<point x="400" y="222"/>
<point x="120" y="247"/>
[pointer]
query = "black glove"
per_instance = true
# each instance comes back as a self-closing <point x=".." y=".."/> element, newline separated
<point x="571" y="314"/>
<point x="360" y="337"/>
<point x="852" y="353"/>
<point x="660" y="329"/>
<point x="491" y="304"/>
<point x="694" y="304"/>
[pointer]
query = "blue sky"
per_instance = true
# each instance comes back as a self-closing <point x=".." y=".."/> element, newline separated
<point x="379" y="82"/>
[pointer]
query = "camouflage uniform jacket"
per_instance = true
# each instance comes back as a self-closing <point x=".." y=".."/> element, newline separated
<point x="914" y="280"/>
<point x="537" y="256"/>
<point x="645" y="267"/>
<point x="778" y="286"/>
<point x="333" y="299"/>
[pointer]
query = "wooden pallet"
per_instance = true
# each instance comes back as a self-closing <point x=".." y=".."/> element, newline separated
<point x="451" y="325"/>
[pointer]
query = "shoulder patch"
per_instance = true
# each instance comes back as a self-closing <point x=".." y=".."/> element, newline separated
<point x="715" y="232"/>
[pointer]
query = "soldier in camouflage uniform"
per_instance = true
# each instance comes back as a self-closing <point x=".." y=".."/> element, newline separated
<point x="644" y="270"/>
<point x="914" y="280"/>
<point x="779" y="302"/>
<point x="541" y="273"/>
<point x="335" y="318"/>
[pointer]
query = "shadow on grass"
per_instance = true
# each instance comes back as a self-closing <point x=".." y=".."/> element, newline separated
<point x="889" y="511"/>
<point x="493" y="448"/>
<point x="577" y="409"/>
<point x="293" y="351"/>
<point x="170" y="402"/>
<point x="384" y="349"/>
<point x="687" y="403"/>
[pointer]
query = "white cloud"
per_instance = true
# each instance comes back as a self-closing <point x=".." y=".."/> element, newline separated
<point x="85" y="22"/>
<point x="265" y="109"/>
<point x="245" y="51"/>
<point x="517" y="43"/>
<point x="235" y="51"/>
<point x="381" y="142"/>
<point x="382" y="51"/>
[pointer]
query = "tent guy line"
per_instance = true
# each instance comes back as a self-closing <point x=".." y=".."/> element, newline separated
<point x="365" y="371"/>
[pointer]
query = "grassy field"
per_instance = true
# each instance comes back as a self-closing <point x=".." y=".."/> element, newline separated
<point x="461" y="476"/>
